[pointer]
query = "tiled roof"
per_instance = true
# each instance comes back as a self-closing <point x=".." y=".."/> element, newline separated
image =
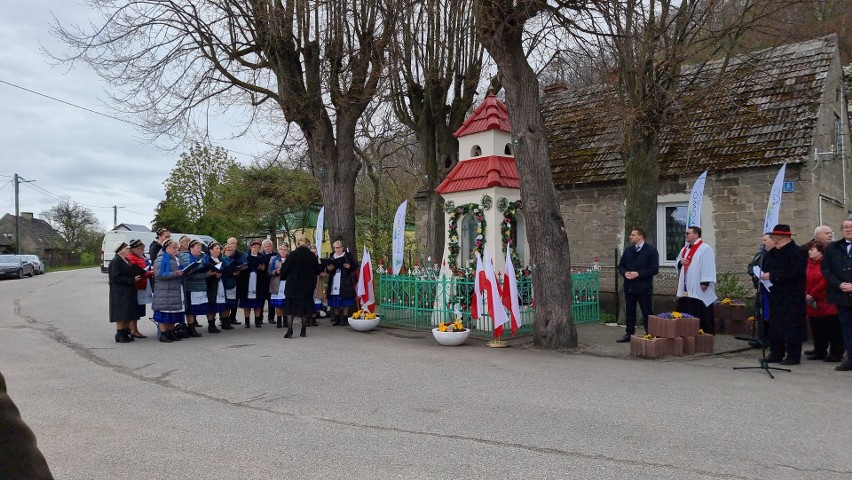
<point x="131" y="227"/>
<point x="35" y="229"/>
<point x="491" y="114"/>
<point x="765" y="115"/>
<point x="484" y="172"/>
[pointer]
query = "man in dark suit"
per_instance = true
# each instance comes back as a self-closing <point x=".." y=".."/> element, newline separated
<point x="638" y="265"/>
<point x="836" y="267"/>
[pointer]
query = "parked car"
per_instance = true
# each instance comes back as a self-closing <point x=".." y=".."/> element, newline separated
<point x="15" y="266"/>
<point x="38" y="265"/>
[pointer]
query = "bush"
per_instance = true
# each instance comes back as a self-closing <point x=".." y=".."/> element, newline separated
<point x="728" y="285"/>
<point x="87" y="259"/>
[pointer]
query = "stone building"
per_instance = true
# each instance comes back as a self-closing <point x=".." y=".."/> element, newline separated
<point x="785" y="104"/>
<point x="37" y="238"/>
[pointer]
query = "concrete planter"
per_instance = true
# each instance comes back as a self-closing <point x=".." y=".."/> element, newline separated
<point x="450" y="338"/>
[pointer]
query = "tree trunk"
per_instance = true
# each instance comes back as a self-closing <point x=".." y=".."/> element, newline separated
<point x="643" y="175"/>
<point x="501" y="33"/>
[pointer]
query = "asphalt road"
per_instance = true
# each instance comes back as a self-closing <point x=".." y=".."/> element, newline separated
<point x="250" y="404"/>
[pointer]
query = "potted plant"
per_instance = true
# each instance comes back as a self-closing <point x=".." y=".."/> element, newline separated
<point x="363" y="321"/>
<point x="451" y="333"/>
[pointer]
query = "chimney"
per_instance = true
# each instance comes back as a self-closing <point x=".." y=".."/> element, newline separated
<point x="27" y="216"/>
<point x="555" y="88"/>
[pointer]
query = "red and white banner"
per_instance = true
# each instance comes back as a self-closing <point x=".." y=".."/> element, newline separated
<point x="510" y="292"/>
<point x="495" y="302"/>
<point x="478" y="280"/>
<point x="366" y="292"/>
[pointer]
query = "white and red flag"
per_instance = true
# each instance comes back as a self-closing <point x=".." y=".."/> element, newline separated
<point x="495" y="303"/>
<point x="510" y="292"/>
<point x="366" y="292"/>
<point x="478" y="280"/>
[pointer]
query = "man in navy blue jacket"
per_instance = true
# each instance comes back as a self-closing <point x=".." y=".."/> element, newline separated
<point x="638" y="265"/>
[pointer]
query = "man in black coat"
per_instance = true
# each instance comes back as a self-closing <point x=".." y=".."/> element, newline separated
<point x="836" y="267"/>
<point x="19" y="454"/>
<point x="786" y="267"/>
<point x="638" y="265"/>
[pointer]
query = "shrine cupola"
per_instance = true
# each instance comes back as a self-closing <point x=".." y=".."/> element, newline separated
<point x="485" y="177"/>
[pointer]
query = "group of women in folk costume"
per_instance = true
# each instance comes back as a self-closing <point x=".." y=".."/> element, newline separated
<point x="184" y="283"/>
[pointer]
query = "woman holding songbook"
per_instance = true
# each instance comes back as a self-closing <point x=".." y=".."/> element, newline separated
<point x="250" y="288"/>
<point x="168" y="304"/>
<point x="122" y="293"/>
<point x="216" y="302"/>
<point x="143" y="287"/>
<point x="230" y="270"/>
<point x="195" y="285"/>
<point x="340" y="292"/>
<point x="276" y="285"/>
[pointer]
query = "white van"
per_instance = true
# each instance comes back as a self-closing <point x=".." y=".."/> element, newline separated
<point x="113" y="239"/>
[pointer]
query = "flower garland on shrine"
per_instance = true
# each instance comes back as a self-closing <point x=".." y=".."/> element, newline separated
<point x="456" y="213"/>
<point x="509" y="209"/>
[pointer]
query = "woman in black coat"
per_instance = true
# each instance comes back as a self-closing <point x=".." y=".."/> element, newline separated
<point x="122" y="293"/>
<point x="252" y="286"/>
<point x="786" y="267"/>
<point x="340" y="292"/>
<point x="300" y="271"/>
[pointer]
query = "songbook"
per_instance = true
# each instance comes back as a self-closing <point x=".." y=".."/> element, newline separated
<point x="197" y="267"/>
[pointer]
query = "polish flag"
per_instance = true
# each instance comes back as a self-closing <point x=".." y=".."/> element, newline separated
<point x="478" y="280"/>
<point x="510" y="292"/>
<point x="366" y="292"/>
<point x="495" y="303"/>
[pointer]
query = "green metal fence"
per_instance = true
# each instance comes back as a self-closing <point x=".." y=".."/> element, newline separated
<point x="423" y="301"/>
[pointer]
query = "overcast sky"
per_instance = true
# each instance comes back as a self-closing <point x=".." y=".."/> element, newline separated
<point x="70" y="153"/>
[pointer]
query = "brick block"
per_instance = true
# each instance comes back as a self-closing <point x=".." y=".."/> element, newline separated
<point x="689" y="345"/>
<point x="689" y="327"/>
<point x="649" y="348"/>
<point x="704" y="343"/>
<point x="664" y="327"/>
<point x="676" y="346"/>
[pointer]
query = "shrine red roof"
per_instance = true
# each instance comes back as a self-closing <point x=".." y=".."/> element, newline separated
<point x="484" y="172"/>
<point x="491" y="114"/>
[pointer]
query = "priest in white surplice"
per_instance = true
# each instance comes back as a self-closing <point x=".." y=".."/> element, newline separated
<point x="696" y="283"/>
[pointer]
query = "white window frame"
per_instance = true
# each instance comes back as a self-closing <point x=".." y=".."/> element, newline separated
<point x="661" y="230"/>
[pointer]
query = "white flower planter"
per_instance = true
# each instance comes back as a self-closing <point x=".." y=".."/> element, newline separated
<point x="450" y="338"/>
<point x="362" y="325"/>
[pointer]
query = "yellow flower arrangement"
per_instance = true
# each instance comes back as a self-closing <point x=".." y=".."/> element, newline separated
<point x="677" y="315"/>
<point x="363" y="315"/>
<point x="701" y="331"/>
<point x="726" y="301"/>
<point x="456" y="326"/>
<point x="648" y="336"/>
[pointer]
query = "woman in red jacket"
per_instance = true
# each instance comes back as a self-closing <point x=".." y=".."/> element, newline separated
<point x="825" y="324"/>
<point x="143" y="289"/>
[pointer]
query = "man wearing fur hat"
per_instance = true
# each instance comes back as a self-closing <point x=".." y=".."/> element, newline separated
<point x="786" y="267"/>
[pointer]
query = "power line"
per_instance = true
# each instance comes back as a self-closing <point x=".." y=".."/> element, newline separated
<point x="113" y="117"/>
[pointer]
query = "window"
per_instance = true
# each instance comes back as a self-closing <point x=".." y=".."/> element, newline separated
<point x="508" y="149"/>
<point x="838" y="136"/>
<point x="671" y="227"/>
<point x="468" y="240"/>
<point x="475" y="151"/>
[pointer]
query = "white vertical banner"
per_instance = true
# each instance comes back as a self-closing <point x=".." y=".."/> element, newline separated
<point x="693" y="216"/>
<point x="398" y="237"/>
<point x="319" y="231"/>
<point x="773" y="208"/>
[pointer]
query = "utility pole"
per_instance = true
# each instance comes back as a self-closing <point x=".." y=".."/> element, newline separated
<point x="114" y="216"/>
<point x="17" y="219"/>
<point x="18" y="181"/>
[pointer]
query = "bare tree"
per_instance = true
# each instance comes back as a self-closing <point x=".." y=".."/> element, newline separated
<point x="74" y="222"/>
<point x="658" y="49"/>
<point x="437" y="69"/>
<point x="501" y="30"/>
<point x="175" y="63"/>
